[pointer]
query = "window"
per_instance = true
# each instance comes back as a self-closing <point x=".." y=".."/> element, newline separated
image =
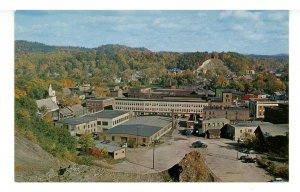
<point x="98" y="122"/>
<point x="144" y="140"/>
<point x="105" y="123"/>
<point x="113" y="138"/>
<point x="241" y="131"/>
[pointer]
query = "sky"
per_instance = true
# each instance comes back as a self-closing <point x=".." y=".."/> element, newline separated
<point x="248" y="32"/>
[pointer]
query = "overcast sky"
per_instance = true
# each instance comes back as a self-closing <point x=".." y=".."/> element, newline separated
<point x="250" y="32"/>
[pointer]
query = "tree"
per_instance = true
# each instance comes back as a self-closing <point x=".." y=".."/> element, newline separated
<point x="249" y="139"/>
<point x="86" y="141"/>
<point x="102" y="92"/>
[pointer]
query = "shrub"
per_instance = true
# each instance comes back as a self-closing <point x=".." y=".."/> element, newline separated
<point x="131" y="143"/>
<point x="96" y="152"/>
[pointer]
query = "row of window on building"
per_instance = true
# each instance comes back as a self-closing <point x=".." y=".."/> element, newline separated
<point x="159" y="104"/>
<point x="188" y="110"/>
<point x="120" y="120"/>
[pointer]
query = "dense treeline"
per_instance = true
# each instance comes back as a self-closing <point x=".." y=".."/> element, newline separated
<point x="55" y="140"/>
<point x="98" y="66"/>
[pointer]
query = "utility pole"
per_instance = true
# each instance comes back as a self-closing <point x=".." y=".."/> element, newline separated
<point x="172" y="118"/>
<point x="153" y="154"/>
<point x="137" y="136"/>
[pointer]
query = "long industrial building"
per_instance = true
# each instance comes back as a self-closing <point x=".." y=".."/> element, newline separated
<point x="161" y="107"/>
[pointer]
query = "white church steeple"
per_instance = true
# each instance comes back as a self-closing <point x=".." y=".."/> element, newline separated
<point x="52" y="94"/>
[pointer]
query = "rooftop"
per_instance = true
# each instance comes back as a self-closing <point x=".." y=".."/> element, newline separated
<point x="250" y="124"/>
<point x="216" y="120"/>
<point x="78" y="120"/>
<point x="48" y="103"/>
<point x="109" y="147"/>
<point x="274" y="130"/>
<point x="224" y="108"/>
<point x="101" y="99"/>
<point x="159" y="100"/>
<point x="108" y="114"/>
<point x="144" y="126"/>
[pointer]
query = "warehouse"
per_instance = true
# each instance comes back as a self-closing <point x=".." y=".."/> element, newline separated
<point x="142" y="130"/>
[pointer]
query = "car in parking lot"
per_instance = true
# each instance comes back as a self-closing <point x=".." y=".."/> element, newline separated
<point x="278" y="179"/>
<point x="199" y="144"/>
<point x="248" y="159"/>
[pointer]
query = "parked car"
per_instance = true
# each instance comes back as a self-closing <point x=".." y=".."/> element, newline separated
<point x="278" y="179"/>
<point x="248" y="159"/>
<point x="243" y="150"/>
<point x="199" y="144"/>
<point x="243" y="157"/>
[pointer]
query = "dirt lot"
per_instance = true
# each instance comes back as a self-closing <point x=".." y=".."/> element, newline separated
<point x="221" y="158"/>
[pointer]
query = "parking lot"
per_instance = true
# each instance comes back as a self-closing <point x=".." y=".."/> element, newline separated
<point x="221" y="158"/>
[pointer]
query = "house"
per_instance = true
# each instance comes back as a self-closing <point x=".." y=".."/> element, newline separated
<point x="264" y="131"/>
<point x="213" y="134"/>
<point x="72" y="111"/>
<point x="50" y="106"/>
<point x="114" y="151"/>
<point x="115" y="91"/>
<point x="236" y="131"/>
<point x="140" y="130"/>
<point x="279" y="95"/>
<point x="212" y="127"/>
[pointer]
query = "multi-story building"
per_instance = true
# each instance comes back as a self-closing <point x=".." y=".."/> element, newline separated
<point x="161" y="107"/>
<point x="108" y="119"/>
<point x="257" y="107"/>
<point x="214" y="124"/>
<point x="80" y="125"/>
<point x="231" y="113"/>
<point x="95" y="122"/>
<point x="238" y="130"/>
<point x="277" y="115"/>
<point x="99" y="104"/>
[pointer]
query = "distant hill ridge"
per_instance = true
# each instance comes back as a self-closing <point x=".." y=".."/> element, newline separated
<point x="125" y="57"/>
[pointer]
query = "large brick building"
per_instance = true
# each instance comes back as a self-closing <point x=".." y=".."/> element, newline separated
<point x="231" y="113"/>
<point x="99" y="104"/>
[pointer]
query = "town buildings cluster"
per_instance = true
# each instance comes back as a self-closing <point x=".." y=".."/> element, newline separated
<point x="143" y="115"/>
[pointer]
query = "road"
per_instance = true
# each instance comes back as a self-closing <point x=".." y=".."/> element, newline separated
<point x="221" y="158"/>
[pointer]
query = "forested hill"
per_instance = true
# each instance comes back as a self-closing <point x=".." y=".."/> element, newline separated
<point x="26" y="46"/>
<point x="115" y="59"/>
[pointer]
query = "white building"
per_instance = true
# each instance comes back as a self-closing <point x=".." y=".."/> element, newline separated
<point x="161" y="107"/>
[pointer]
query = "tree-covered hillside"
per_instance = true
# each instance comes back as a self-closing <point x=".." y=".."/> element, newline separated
<point x="38" y="62"/>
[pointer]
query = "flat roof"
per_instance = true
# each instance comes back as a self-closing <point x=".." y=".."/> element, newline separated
<point x="101" y="99"/>
<point x="224" y="108"/>
<point x="216" y="120"/>
<point x="144" y="126"/>
<point x="108" y="114"/>
<point x="158" y="100"/>
<point x="109" y="147"/>
<point x="78" y="120"/>
<point x="250" y="124"/>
